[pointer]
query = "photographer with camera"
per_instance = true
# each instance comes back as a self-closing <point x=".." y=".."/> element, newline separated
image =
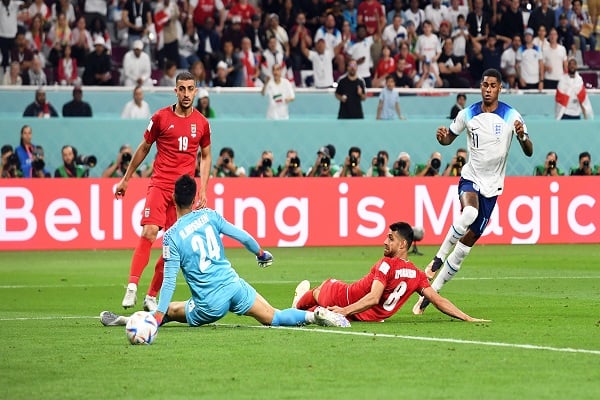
<point x="292" y="167"/>
<point x="550" y="167"/>
<point x="225" y="166"/>
<point x="585" y="165"/>
<point x="324" y="164"/>
<point x="10" y="163"/>
<point x="264" y="166"/>
<point x="454" y="168"/>
<point x="379" y="165"/>
<point x="38" y="165"/>
<point x="432" y="168"/>
<point x="71" y="168"/>
<point x="402" y="165"/>
<point x="26" y="152"/>
<point x="351" y="165"/>
<point x="118" y="168"/>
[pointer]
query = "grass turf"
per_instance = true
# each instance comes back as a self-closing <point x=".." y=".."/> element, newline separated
<point x="542" y="343"/>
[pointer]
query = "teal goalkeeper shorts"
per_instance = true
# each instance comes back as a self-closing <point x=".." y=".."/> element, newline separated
<point x="237" y="297"/>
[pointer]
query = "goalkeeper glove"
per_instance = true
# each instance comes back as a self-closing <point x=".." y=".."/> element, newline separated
<point x="264" y="259"/>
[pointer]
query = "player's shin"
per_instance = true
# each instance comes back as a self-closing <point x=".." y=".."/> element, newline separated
<point x="141" y="256"/>
<point x="451" y="266"/>
<point x="457" y="230"/>
<point x="157" y="279"/>
<point x="289" y="317"/>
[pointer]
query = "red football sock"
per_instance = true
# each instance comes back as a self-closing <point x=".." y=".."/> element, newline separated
<point x="141" y="256"/>
<point x="157" y="279"/>
<point x="306" y="301"/>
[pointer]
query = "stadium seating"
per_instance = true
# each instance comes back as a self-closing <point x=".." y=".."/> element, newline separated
<point x="117" y="54"/>
<point x="591" y="58"/>
<point x="590" y="79"/>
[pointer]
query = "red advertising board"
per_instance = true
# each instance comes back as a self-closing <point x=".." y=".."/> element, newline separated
<point x="294" y="212"/>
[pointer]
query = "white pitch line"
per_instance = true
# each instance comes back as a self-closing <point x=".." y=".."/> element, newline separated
<point x="366" y="334"/>
<point x="182" y="283"/>
<point x="429" y="339"/>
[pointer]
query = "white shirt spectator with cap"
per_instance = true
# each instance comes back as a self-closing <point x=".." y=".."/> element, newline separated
<point x="137" y="67"/>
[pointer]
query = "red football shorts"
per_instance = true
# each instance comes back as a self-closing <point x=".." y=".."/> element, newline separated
<point x="159" y="208"/>
<point x="333" y="293"/>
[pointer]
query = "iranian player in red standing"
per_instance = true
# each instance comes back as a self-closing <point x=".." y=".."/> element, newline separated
<point x="180" y="132"/>
<point x="379" y="294"/>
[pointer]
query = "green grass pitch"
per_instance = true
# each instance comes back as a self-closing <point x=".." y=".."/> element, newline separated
<point x="543" y="341"/>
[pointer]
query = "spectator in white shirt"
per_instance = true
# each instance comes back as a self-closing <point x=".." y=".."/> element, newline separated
<point x="394" y="34"/>
<point x="508" y="62"/>
<point x="321" y="58"/>
<point x="436" y="12"/>
<point x="136" y="108"/>
<point x="428" y="46"/>
<point x="361" y="52"/>
<point x="555" y="61"/>
<point x="280" y="93"/>
<point x="137" y="67"/>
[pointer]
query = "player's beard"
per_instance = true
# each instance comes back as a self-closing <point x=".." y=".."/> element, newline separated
<point x="184" y="107"/>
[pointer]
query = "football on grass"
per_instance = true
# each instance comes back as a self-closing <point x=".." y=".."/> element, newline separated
<point x="141" y="328"/>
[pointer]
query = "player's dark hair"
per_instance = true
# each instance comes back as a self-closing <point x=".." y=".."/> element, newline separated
<point x="405" y="231"/>
<point x="185" y="191"/>
<point x="184" y="76"/>
<point x="494" y="73"/>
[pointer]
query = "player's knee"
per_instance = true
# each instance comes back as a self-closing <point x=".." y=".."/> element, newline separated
<point x="150" y="232"/>
<point x="469" y="215"/>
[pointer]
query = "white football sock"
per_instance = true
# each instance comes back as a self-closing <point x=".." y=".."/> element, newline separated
<point x="451" y="266"/>
<point x="457" y="230"/>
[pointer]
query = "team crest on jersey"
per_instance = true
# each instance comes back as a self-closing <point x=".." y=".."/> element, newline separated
<point x="146" y="212"/>
<point x="497" y="129"/>
<point x="193" y="129"/>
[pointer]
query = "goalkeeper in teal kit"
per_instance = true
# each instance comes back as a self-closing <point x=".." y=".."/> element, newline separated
<point x="193" y="244"/>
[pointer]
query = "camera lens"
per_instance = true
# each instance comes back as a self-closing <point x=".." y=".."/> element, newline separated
<point x="402" y="163"/>
<point x="294" y="162"/>
<point x="38" y="164"/>
<point x="436" y="163"/>
<point x="353" y="161"/>
<point x="552" y="164"/>
<point x="226" y="161"/>
<point x="460" y="161"/>
<point x="267" y="163"/>
<point x="586" y="163"/>
<point x="126" y="157"/>
<point x="325" y="161"/>
<point x="381" y="161"/>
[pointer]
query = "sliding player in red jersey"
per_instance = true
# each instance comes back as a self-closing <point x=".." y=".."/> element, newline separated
<point x="379" y="294"/>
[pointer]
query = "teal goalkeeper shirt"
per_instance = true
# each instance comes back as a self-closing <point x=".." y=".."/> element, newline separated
<point x="194" y="244"/>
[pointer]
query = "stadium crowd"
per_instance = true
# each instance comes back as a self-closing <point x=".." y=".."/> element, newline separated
<point x="236" y="43"/>
<point x="315" y="43"/>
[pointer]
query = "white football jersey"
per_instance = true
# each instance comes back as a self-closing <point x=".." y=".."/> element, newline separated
<point x="489" y="138"/>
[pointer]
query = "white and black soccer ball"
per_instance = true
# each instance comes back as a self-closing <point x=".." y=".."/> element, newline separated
<point x="141" y="328"/>
<point x="418" y="233"/>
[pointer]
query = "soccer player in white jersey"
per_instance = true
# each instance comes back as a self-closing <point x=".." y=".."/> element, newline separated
<point x="490" y="126"/>
<point x="193" y="244"/>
